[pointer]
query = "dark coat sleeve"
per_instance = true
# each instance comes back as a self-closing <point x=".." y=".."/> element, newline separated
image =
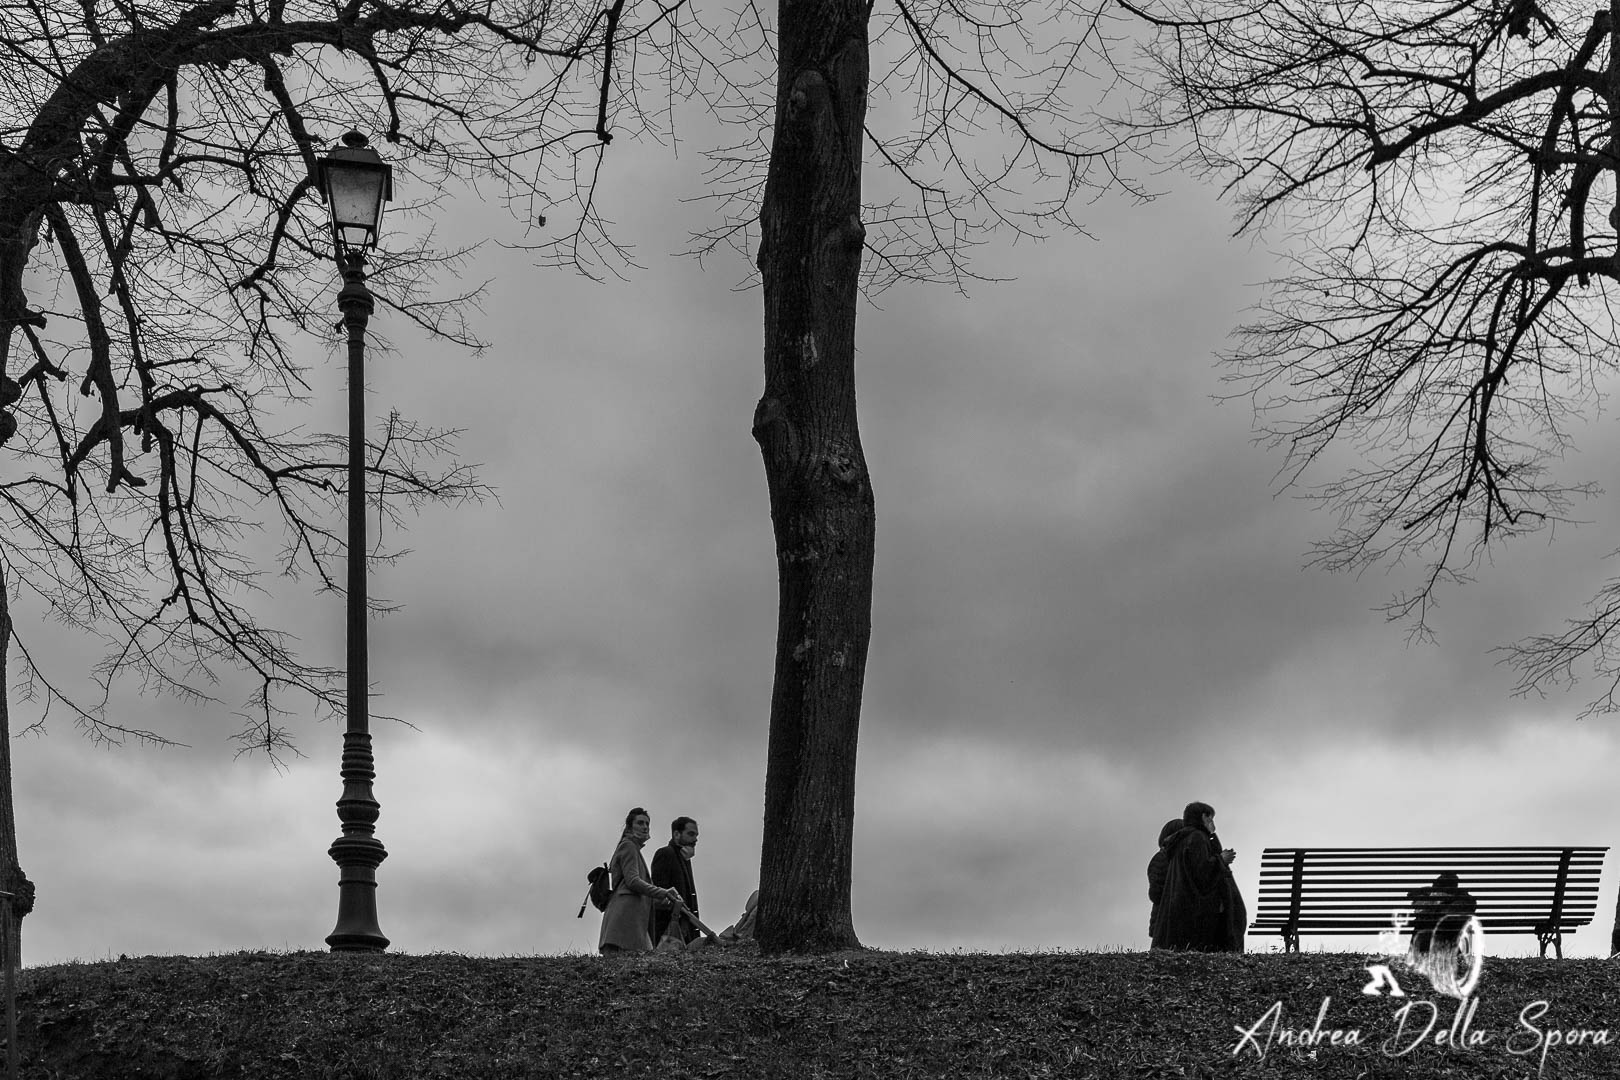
<point x="672" y="871"/>
<point x="1237" y="914"/>
<point x="663" y="875"/>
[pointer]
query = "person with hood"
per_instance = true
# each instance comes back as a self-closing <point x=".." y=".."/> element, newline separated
<point x="627" y="922"/>
<point x="1200" y="908"/>
<point x="1155" y="873"/>
<point x="1440" y="911"/>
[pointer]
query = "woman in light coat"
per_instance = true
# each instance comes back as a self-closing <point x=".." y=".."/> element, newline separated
<point x="627" y="922"/>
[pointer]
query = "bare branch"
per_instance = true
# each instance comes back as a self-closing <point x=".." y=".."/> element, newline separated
<point x="1450" y="308"/>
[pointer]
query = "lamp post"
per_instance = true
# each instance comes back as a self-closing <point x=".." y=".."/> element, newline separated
<point x="356" y="183"/>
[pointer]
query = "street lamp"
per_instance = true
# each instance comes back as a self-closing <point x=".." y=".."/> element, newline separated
<point x="356" y="183"/>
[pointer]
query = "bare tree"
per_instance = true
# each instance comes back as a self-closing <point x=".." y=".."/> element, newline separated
<point x="161" y="248"/>
<point x="1002" y="141"/>
<point x="1451" y="169"/>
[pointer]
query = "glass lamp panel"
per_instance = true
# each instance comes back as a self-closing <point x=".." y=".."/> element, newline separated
<point x="357" y="200"/>
<point x="354" y="236"/>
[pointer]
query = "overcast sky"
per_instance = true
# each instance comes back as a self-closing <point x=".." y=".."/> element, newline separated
<point x="1090" y="608"/>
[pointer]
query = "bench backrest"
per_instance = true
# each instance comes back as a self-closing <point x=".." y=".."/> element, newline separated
<point x="1356" y="890"/>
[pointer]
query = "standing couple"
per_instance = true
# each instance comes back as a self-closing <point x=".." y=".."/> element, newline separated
<point x="1196" y="903"/>
<point x="645" y="907"/>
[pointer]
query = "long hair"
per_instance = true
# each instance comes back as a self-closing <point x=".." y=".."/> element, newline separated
<point x="631" y="816"/>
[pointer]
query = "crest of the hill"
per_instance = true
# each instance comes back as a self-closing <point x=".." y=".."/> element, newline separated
<point x="736" y="1015"/>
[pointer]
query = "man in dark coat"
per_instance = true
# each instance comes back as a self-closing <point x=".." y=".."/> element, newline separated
<point x="672" y="869"/>
<point x="1195" y="909"/>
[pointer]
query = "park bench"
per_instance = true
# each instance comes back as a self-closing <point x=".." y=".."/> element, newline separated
<point x="1545" y="891"/>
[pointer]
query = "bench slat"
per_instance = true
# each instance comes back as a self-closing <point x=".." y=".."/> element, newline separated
<point x="1413" y="866"/>
<point x="1400" y="902"/>
<point x="1379" y="918"/>
<point x="1384" y="910"/>
<point x="1374" y="918"/>
<point x="1392" y="872"/>
<point x="1281" y="857"/>
<point x="1339" y="881"/>
<point x="1426" y="876"/>
<point x="1363" y="931"/>
<point x="1546" y="867"/>
<point x="1377" y="892"/>
<point x="1486" y="848"/>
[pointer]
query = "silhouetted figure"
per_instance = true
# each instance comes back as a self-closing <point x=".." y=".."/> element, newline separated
<point x="1440" y="911"/>
<point x="1200" y="908"/>
<point x="1157" y="866"/>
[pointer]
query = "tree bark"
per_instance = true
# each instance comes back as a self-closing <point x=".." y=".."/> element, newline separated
<point x="811" y="240"/>
<point x="11" y="875"/>
<point x="1614" y="143"/>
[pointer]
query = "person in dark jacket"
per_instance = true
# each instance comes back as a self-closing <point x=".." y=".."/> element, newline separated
<point x="1155" y="873"/>
<point x="1440" y="910"/>
<point x="672" y="869"/>
<point x="1196" y="908"/>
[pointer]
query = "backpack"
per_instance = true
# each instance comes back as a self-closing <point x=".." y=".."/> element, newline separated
<point x="601" y="888"/>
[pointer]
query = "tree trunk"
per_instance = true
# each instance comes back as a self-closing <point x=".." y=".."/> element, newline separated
<point x="1614" y="142"/>
<point x="1614" y="935"/>
<point x="11" y="875"/>
<point x="821" y="497"/>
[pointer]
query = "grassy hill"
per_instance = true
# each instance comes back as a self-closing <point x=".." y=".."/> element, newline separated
<point x="733" y="1014"/>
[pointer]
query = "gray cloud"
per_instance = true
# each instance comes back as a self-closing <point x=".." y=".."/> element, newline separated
<point x="1090" y="608"/>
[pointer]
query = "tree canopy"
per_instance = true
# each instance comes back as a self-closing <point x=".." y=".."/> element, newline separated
<point x="163" y="248"/>
<point x="1444" y="174"/>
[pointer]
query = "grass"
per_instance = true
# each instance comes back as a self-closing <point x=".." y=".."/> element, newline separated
<point x="719" y="1015"/>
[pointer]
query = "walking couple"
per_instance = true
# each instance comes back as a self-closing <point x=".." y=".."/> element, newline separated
<point x="1196" y="903"/>
<point x="645" y="908"/>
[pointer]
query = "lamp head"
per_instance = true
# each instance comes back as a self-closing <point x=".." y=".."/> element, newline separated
<point x="356" y="183"/>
